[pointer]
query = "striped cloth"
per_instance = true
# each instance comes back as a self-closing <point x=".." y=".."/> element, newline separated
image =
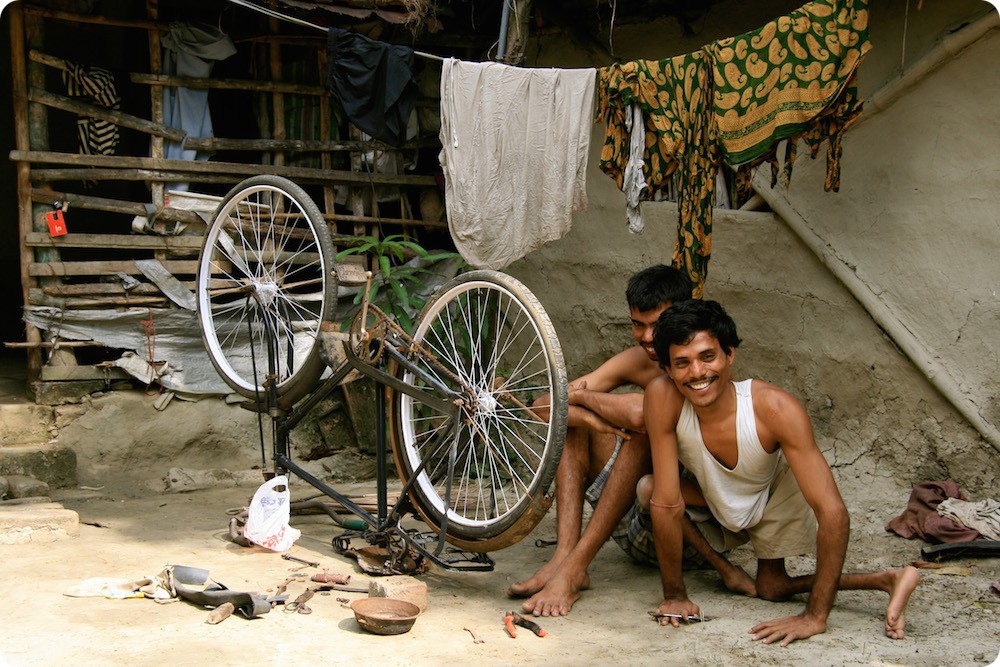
<point x="96" y="84"/>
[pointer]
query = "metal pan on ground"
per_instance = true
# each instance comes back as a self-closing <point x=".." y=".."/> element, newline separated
<point x="385" y="616"/>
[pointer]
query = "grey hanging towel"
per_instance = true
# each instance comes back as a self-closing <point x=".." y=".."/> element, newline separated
<point x="374" y="83"/>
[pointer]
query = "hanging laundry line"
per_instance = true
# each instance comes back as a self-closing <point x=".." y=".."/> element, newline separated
<point x="291" y="19"/>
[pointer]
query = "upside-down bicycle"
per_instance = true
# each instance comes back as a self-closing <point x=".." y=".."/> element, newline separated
<point x="475" y="460"/>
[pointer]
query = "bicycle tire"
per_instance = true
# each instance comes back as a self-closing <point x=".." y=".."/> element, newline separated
<point x="506" y="350"/>
<point x="264" y="277"/>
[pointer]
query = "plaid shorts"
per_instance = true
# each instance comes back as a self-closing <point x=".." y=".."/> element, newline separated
<point x="634" y="533"/>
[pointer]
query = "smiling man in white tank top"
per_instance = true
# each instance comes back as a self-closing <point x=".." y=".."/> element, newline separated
<point x="740" y="440"/>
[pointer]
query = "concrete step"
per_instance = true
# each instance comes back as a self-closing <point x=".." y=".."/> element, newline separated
<point x="52" y="464"/>
<point x="42" y="522"/>
<point x="25" y="433"/>
<point x="25" y="423"/>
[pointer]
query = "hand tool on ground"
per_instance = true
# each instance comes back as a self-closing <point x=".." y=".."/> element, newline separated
<point x="475" y="638"/>
<point x="283" y="586"/>
<point x="299" y="560"/>
<point x="341" y="587"/>
<point x="517" y="619"/>
<point x="508" y="623"/>
<point x="220" y="613"/>
<point x="657" y="616"/>
<point x="331" y="578"/>
<point x="299" y="604"/>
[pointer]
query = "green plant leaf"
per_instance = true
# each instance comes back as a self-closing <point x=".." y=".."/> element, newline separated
<point x="404" y="320"/>
<point x="401" y="294"/>
<point x="384" y="266"/>
<point x="415" y="247"/>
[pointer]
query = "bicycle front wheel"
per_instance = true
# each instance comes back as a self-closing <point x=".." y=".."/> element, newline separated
<point x="264" y="288"/>
<point x="485" y="337"/>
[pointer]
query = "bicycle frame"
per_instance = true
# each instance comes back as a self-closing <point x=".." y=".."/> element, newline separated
<point x="386" y="524"/>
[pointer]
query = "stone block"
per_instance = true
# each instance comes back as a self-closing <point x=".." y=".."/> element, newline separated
<point x="23" y="486"/>
<point x="61" y="393"/>
<point x="400" y="588"/>
<point x="53" y="465"/>
<point x="29" y="523"/>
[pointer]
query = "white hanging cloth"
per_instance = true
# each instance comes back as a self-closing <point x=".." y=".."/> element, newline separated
<point x="515" y="143"/>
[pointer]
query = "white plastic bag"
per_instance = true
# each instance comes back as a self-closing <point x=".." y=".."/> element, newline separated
<point x="267" y="520"/>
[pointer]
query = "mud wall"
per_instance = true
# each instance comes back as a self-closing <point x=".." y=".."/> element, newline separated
<point x="876" y="417"/>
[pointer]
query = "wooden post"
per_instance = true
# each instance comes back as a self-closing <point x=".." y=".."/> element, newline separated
<point x="277" y="98"/>
<point x="156" y="105"/>
<point x="326" y="134"/>
<point x="29" y="130"/>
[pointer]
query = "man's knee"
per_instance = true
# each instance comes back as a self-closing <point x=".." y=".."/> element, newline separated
<point x="644" y="491"/>
<point x="773" y="583"/>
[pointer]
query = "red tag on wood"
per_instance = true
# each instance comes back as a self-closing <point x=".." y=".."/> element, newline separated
<point x="57" y="225"/>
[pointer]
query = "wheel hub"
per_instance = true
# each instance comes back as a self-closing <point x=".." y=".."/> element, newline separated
<point x="266" y="292"/>
<point x="486" y="403"/>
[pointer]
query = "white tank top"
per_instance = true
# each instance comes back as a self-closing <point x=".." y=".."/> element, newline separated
<point x="735" y="497"/>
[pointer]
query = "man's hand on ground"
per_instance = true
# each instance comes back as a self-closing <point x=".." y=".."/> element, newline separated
<point x="676" y="611"/>
<point x="788" y="629"/>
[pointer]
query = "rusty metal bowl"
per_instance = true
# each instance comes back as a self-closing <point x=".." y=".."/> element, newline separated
<point x="385" y="616"/>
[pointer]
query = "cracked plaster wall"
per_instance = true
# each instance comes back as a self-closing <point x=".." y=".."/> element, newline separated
<point x="877" y="419"/>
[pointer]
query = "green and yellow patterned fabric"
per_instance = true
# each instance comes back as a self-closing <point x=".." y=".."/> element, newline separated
<point x="794" y="77"/>
<point x="674" y="95"/>
<point x="735" y="100"/>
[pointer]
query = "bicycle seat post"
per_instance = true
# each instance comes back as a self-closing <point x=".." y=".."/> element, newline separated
<point x="364" y="303"/>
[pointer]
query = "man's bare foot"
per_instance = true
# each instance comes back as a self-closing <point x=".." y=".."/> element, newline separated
<point x="737" y="580"/>
<point x="537" y="581"/>
<point x="558" y="595"/>
<point x="905" y="582"/>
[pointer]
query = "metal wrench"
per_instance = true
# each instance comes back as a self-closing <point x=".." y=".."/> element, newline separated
<point x="299" y="560"/>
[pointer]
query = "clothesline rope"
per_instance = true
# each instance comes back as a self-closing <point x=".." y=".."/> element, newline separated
<point x="291" y="19"/>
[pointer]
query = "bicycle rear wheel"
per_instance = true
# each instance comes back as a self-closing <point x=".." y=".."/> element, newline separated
<point x="265" y="286"/>
<point x="488" y="339"/>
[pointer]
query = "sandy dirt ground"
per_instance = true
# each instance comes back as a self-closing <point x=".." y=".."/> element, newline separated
<point x="952" y="618"/>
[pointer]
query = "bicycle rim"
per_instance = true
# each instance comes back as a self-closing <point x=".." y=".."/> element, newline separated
<point x="264" y="287"/>
<point x="492" y="343"/>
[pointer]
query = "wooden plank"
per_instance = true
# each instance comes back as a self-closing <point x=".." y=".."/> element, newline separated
<point x="115" y="241"/>
<point x="158" y="80"/>
<point x="66" y="373"/>
<point x="95" y="19"/>
<point x="114" y="206"/>
<point x="189" y="167"/>
<point x="117" y="117"/>
<point x="98" y="303"/>
<point x="301" y="145"/>
<point x="95" y="174"/>
<point x="106" y="267"/>
<point x="100" y="289"/>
